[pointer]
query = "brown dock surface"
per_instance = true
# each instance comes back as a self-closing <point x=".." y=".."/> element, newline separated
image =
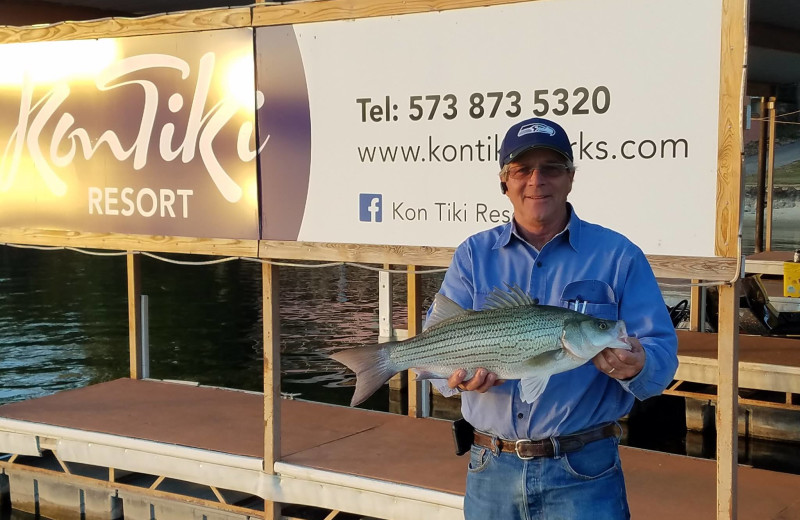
<point x="767" y="262"/>
<point x="752" y="349"/>
<point x="379" y="445"/>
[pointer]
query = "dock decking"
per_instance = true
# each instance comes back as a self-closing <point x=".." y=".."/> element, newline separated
<point x="765" y="363"/>
<point x="338" y="458"/>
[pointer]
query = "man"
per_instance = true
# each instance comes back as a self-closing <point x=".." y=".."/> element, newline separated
<point x="556" y="458"/>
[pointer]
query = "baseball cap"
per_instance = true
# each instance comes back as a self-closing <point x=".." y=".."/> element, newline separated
<point x="534" y="133"/>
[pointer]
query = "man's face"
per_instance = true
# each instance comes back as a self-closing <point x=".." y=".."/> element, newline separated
<point x="539" y="197"/>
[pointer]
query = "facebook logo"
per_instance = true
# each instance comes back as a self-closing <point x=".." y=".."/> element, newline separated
<point x="370" y="207"/>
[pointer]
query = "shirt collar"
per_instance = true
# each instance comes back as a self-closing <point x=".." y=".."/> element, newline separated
<point x="572" y="232"/>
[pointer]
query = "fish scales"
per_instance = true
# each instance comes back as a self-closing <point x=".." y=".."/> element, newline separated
<point x="502" y="340"/>
<point x="515" y="339"/>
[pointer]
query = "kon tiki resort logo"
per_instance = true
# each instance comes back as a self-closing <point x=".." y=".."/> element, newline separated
<point x="134" y="133"/>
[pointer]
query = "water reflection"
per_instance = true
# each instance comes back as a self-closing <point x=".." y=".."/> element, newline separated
<point x="63" y="323"/>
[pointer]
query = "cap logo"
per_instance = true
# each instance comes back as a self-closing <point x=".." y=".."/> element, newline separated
<point x="536" y="128"/>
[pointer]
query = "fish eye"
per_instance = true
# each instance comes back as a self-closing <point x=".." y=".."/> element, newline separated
<point x="602" y="325"/>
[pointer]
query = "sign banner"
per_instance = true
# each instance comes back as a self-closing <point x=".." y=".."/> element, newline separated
<point x="151" y="135"/>
<point x="386" y="130"/>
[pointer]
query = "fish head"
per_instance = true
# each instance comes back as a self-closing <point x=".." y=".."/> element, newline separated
<point x="585" y="337"/>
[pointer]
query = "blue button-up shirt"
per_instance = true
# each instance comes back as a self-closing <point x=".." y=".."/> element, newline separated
<point x="587" y="266"/>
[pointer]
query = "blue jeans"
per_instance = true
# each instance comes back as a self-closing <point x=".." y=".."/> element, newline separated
<point x="582" y="485"/>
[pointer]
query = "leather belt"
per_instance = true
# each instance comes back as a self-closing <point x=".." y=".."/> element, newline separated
<point x="529" y="449"/>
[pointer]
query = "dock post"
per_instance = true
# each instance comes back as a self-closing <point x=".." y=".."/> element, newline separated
<point x="145" y="332"/>
<point x="418" y="391"/>
<point x="728" y="402"/>
<point x="761" y="176"/>
<point x="272" y="378"/>
<point x="117" y="508"/>
<point x="135" y="315"/>
<point x="5" y="495"/>
<point x="697" y="308"/>
<point x="385" y="322"/>
<point x="727" y="243"/>
<point x="770" y="187"/>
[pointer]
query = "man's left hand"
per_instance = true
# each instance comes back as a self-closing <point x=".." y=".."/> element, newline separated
<point x="619" y="363"/>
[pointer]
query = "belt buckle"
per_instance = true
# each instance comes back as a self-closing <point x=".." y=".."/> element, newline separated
<point x="516" y="448"/>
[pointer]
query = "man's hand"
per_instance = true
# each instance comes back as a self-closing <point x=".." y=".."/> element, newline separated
<point x="619" y="363"/>
<point x="482" y="381"/>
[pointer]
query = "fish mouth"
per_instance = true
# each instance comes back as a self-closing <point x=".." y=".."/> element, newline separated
<point x="622" y="337"/>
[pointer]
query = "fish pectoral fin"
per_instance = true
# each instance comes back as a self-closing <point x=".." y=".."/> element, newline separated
<point x="530" y="388"/>
<point x="424" y="374"/>
<point x="545" y="358"/>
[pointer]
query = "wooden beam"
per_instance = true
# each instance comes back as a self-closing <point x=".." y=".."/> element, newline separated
<point x="729" y="156"/>
<point x="770" y="178"/>
<point x="121" y="242"/>
<point x="272" y="377"/>
<point x="693" y="267"/>
<point x="304" y="12"/>
<point x="683" y="267"/>
<point x="186" y="21"/>
<point x="80" y="480"/>
<point x="416" y="394"/>
<point x="361" y="253"/>
<point x="157" y="482"/>
<point x="135" y="316"/>
<point x="697" y="304"/>
<point x="727" y="402"/>
<point x="733" y="43"/>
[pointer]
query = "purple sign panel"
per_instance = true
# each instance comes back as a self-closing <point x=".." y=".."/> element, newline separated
<point x="147" y="135"/>
<point x="285" y="122"/>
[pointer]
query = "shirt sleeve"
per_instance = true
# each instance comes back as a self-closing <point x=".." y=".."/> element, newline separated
<point x="645" y="314"/>
<point x="457" y="286"/>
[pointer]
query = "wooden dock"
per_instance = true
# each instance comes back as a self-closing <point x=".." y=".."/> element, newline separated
<point x="135" y="437"/>
<point x="767" y="262"/>
<point x="765" y="363"/>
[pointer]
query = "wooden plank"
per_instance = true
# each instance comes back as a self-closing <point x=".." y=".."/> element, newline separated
<point x="122" y="242"/>
<point x="711" y="269"/>
<point x="361" y="253"/>
<point x="272" y="377"/>
<point x="727" y="402"/>
<point x="683" y="267"/>
<point x="117" y="27"/>
<point x="89" y="482"/>
<point x="755" y="376"/>
<point x="696" y="306"/>
<point x="416" y="394"/>
<point x="729" y="157"/>
<point x="727" y="244"/>
<point x="770" y="181"/>
<point x="218" y="495"/>
<point x="304" y="12"/>
<point x="135" y="316"/>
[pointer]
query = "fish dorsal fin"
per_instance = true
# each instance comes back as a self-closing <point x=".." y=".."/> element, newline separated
<point x="443" y="308"/>
<point x="514" y="297"/>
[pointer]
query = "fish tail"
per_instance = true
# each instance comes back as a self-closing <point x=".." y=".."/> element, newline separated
<point x="372" y="367"/>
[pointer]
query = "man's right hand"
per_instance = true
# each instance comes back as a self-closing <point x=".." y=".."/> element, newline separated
<point x="482" y="381"/>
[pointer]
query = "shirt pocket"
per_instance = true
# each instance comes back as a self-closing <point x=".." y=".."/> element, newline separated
<point x="592" y="297"/>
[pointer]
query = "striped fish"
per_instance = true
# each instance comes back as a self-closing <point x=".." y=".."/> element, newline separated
<point x="512" y="336"/>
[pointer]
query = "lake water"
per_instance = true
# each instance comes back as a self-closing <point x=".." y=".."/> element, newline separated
<point x="63" y="324"/>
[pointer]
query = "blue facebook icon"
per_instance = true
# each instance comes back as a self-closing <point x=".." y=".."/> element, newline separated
<point x="370" y="207"/>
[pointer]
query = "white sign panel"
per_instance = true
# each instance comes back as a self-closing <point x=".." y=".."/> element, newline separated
<point x="407" y="113"/>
